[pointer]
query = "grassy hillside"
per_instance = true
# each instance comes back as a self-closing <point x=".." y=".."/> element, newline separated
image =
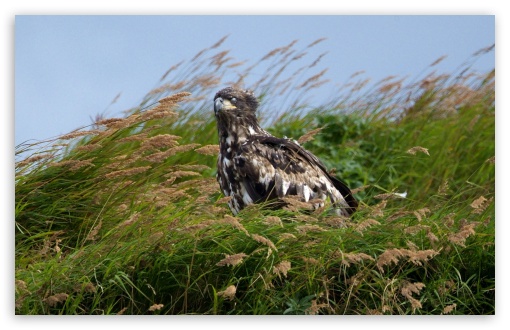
<point x="125" y="216"/>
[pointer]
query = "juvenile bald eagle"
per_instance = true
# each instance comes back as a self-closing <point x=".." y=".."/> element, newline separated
<point x="254" y="166"/>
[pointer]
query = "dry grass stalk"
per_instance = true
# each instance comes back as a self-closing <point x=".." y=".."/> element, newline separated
<point x="354" y="258"/>
<point x="359" y="189"/>
<point x="229" y="293"/>
<point x="416" y="229"/>
<point x="377" y="210"/>
<point x="234" y="223"/>
<point x="306" y="218"/>
<point x="209" y="150"/>
<point x="175" y="98"/>
<point x="93" y="233"/>
<point x="313" y="78"/>
<point x="448" y="309"/>
<point x="480" y="204"/>
<point x="414" y="150"/>
<point x="200" y="226"/>
<point x="443" y="188"/>
<point x="158" y="157"/>
<point x="156" y="307"/>
<point x="161" y="141"/>
<point x="491" y="160"/>
<point x="33" y="159"/>
<point x="309" y="228"/>
<point x="311" y="261"/>
<point x="132" y="219"/>
<point x="282" y="268"/>
<point x="360" y="227"/>
<point x="287" y="236"/>
<point x="439" y="60"/>
<point x="89" y="147"/>
<point x="417" y="257"/>
<point x="224" y="200"/>
<point x="109" y="122"/>
<point x="407" y="291"/>
<point x="388" y="196"/>
<point x="56" y="299"/>
<point x="273" y="221"/>
<point x="432" y="238"/>
<point x="421" y="213"/>
<point x="460" y="237"/>
<point x="295" y="204"/>
<point x="75" y="134"/>
<point x="263" y="240"/>
<point x="309" y="136"/>
<point x="449" y="220"/>
<point x="180" y="174"/>
<point x="231" y="260"/>
<point x="129" y="172"/>
<point x="74" y="165"/>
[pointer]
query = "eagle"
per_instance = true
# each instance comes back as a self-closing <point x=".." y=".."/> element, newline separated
<point x="254" y="166"/>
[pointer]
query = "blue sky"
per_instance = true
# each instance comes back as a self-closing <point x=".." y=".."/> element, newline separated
<point x="70" y="68"/>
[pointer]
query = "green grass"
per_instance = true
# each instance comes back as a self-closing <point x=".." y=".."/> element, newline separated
<point x="129" y="219"/>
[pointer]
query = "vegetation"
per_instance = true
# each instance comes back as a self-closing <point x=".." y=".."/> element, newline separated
<point x="126" y="217"/>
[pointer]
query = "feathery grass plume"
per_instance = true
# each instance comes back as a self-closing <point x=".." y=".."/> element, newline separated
<point x="309" y="136"/>
<point x="273" y="221"/>
<point x="414" y="150"/>
<point x="315" y="308"/>
<point x="33" y="159"/>
<point x="459" y="238"/>
<point x="360" y="227"/>
<point x="229" y="293"/>
<point x="127" y="173"/>
<point x="448" y="309"/>
<point x="377" y="210"/>
<point x="227" y="219"/>
<point x="76" y="134"/>
<point x="55" y="299"/>
<point x="386" y="196"/>
<point x="231" y="260"/>
<point x="407" y="291"/>
<point x="413" y="230"/>
<point x="360" y="189"/>
<point x="480" y="204"/>
<point x="161" y="141"/>
<point x="89" y="147"/>
<point x="209" y="150"/>
<point x="159" y="157"/>
<point x="311" y="261"/>
<point x="263" y="240"/>
<point x="282" y="268"/>
<point x="156" y="307"/>
<point x="349" y="259"/>
<point x="491" y="160"/>
<point x="304" y="229"/>
<point x="285" y="236"/>
<point x="419" y="257"/>
<point x="421" y="213"/>
<point x="224" y="200"/>
<point x="74" y="165"/>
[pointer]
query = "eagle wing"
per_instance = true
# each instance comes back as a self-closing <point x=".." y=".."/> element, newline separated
<point x="272" y="168"/>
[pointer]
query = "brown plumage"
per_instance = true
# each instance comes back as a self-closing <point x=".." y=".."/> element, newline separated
<point x="254" y="166"/>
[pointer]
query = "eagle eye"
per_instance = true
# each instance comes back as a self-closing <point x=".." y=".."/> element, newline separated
<point x="233" y="100"/>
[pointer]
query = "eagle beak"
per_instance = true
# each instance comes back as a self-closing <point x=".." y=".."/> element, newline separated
<point x="222" y="104"/>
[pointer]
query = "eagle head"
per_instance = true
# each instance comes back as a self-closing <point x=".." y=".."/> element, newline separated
<point x="238" y="103"/>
